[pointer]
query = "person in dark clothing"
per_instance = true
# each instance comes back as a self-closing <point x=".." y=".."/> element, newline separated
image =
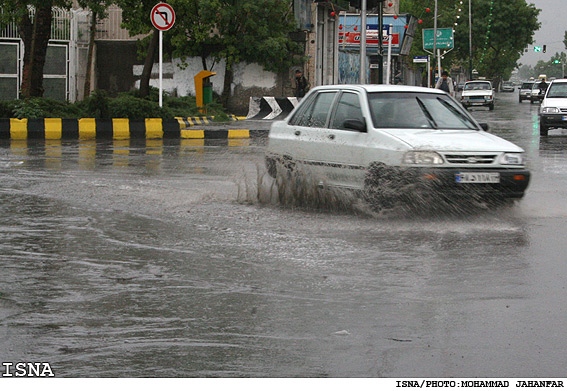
<point x="542" y="86"/>
<point x="301" y="84"/>
<point x="445" y="83"/>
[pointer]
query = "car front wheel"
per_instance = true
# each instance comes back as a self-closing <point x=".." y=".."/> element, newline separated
<point x="386" y="186"/>
<point x="543" y="129"/>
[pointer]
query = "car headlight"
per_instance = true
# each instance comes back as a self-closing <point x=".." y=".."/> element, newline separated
<point x="488" y="97"/>
<point x="549" y="110"/>
<point x="515" y="159"/>
<point x="423" y="158"/>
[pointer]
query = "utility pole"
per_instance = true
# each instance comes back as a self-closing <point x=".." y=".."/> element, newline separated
<point x="435" y="39"/>
<point x="470" y="42"/>
<point x="363" y="43"/>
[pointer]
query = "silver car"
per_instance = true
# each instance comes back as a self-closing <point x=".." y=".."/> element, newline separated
<point x="525" y="91"/>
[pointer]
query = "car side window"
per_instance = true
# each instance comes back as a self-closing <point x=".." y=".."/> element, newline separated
<point x="348" y="107"/>
<point x="315" y="114"/>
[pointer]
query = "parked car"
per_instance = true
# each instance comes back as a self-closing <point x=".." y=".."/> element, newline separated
<point x="460" y="86"/>
<point x="508" y="86"/>
<point x="478" y="93"/>
<point x="538" y="92"/>
<point x="390" y="141"/>
<point x="553" y="109"/>
<point x="525" y="91"/>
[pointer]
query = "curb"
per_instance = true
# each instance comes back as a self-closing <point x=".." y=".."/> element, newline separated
<point x="116" y="128"/>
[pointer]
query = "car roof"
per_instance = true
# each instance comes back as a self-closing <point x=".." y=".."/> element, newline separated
<point x="559" y="81"/>
<point x="379" y="88"/>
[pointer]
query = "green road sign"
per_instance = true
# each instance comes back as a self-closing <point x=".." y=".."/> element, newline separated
<point x="444" y="38"/>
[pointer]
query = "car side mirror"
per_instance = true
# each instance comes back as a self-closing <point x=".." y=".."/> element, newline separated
<point x="355" y="124"/>
<point x="484" y="126"/>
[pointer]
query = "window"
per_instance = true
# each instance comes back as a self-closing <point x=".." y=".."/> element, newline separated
<point x="316" y="111"/>
<point x="557" y="90"/>
<point x="417" y="110"/>
<point x="347" y="108"/>
<point x="478" y="85"/>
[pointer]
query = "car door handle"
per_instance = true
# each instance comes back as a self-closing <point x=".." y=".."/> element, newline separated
<point x="297" y="133"/>
<point x="332" y="136"/>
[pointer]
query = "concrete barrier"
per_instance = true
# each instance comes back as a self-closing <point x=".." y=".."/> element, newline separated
<point x="116" y="128"/>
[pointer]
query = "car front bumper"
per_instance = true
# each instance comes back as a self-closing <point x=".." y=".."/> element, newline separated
<point x="512" y="182"/>
<point x="472" y="101"/>
<point x="558" y="120"/>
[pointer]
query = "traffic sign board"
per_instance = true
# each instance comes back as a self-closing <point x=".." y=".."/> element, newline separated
<point x="444" y="38"/>
<point x="162" y="16"/>
<point x="419" y="59"/>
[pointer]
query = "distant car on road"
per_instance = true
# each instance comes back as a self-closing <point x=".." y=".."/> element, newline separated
<point x="508" y="86"/>
<point x="538" y="92"/>
<point x="553" y="109"/>
<point x="392" y="142"/>
<point x="478" y="93"/>
<point x="525" y="91"/>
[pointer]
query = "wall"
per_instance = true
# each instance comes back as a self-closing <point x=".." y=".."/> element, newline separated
<point x="249" y="80"/>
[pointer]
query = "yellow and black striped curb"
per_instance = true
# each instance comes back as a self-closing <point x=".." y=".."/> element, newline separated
<point x="116" y="128"/>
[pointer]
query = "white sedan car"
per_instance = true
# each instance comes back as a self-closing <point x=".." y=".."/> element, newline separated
<point x="388" y="141"/>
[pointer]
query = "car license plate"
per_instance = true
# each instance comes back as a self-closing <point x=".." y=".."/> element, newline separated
<point x="564" y="118"/>
<point x="477" y="103"/>
<point x="477" y="177"/>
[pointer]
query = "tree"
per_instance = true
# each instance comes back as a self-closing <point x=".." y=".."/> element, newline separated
<point x="500" y="31"/>
<point x="98" y="10"/>
<point x="34" y="29"/>
<point x="228" y="30"/>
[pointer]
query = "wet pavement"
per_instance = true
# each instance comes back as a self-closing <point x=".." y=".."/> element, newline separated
<point x="174" y="258"/>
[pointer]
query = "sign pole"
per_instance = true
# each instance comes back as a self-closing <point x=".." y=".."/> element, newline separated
<point x="160" y="68"/>
<point x="162" y="17"/>
<point x="389" y="69"/>
<point x="363" y="43"/>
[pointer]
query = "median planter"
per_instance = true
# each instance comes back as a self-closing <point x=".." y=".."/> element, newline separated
<point x="93" y="128"/>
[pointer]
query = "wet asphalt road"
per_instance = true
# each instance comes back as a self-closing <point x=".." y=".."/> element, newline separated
<point x="169" y="258"/>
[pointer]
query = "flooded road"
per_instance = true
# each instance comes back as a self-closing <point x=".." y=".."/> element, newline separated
<point x="159" y="258"/>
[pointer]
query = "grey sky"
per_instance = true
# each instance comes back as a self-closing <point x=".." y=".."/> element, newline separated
<point x="553" y="19"/>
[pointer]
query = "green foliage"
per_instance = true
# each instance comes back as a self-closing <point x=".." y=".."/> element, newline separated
<point x="101" y="105"/>
<point x="551" y="68"/>
<point x="97" y="105"/>
<point x="510" y="28"/>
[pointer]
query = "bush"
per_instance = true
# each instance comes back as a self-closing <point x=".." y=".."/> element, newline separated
<point x="127" y="106"/>
<point x="101" y="105"/>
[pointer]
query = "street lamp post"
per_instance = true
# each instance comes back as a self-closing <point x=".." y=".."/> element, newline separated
<point x="363" y="43"/>
<point x="470" y="42"/>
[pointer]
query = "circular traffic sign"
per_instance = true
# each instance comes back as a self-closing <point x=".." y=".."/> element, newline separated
<point x="162" y="16"/>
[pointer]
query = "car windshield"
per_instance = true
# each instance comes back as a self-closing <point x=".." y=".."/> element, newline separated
<point x="479" y="85"/>
<point x="527" y="85"/>
<point x="557" y="90"/>
<point x="416" y="110"/>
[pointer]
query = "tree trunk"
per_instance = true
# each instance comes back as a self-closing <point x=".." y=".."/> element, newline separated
<point x="148" y="64"/>
<point x="228" y="78"/>
<point x="36" y="37"/>
<point x="90" y="55"/>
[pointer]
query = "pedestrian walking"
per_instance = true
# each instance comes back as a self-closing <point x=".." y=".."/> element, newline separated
<point x="445" y="83"/>
<point x="301" y="84"/>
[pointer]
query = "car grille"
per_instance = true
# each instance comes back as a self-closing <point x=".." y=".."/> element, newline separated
<point x="470" y="159"/>
<point x="563" y="110"/>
